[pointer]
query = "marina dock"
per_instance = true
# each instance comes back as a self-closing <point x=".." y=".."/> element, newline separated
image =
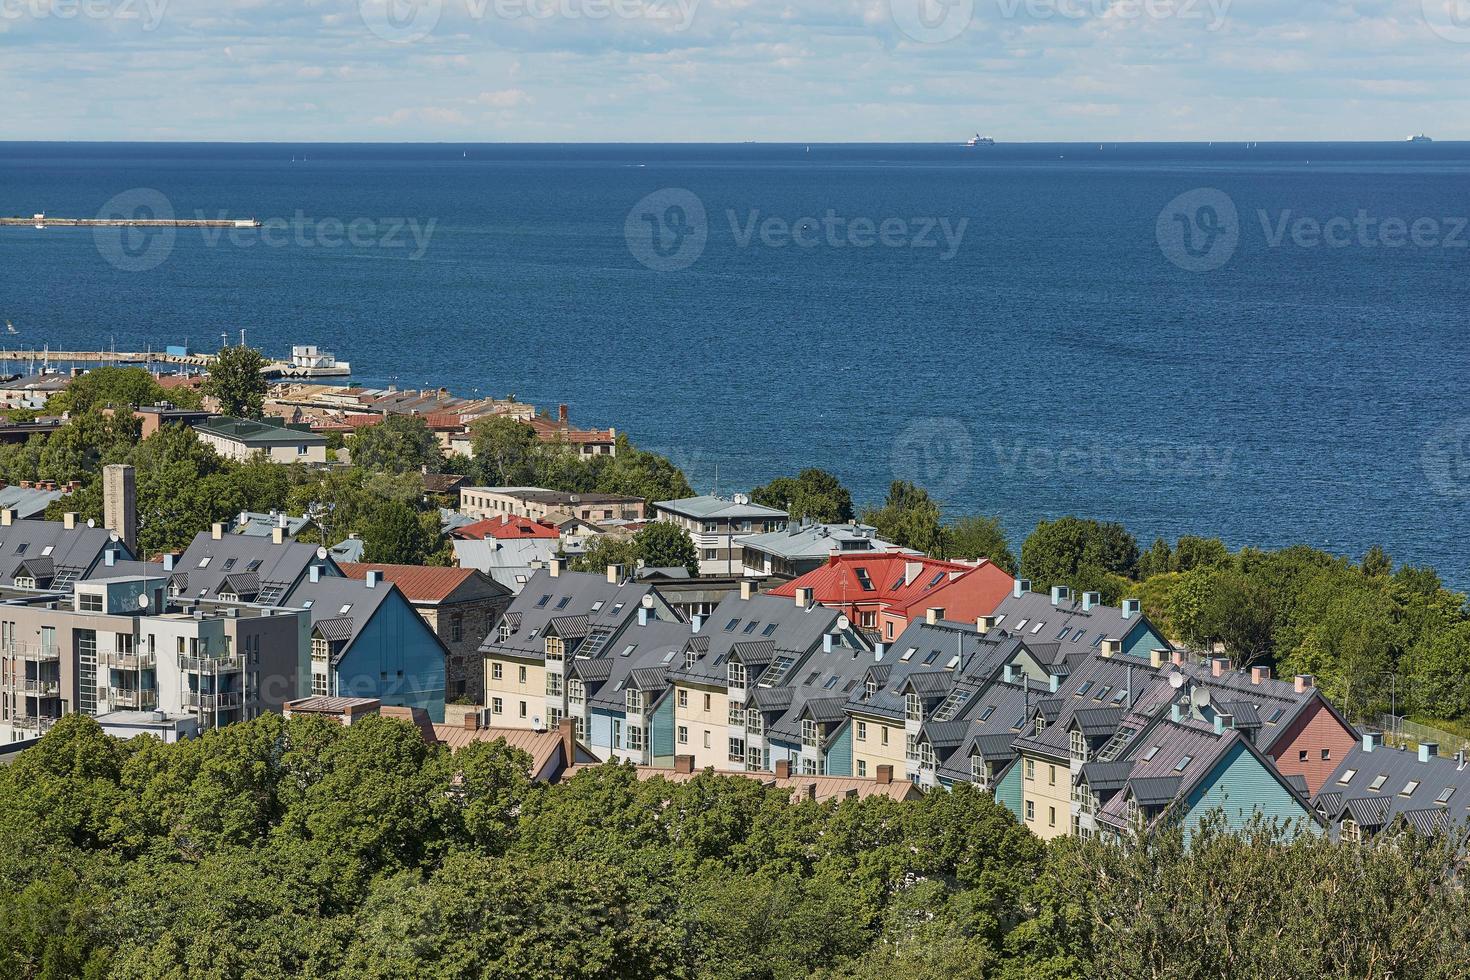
<point x="305" y="362"/>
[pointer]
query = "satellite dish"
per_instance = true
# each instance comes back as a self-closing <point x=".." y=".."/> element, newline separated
<point x="113" y="537"/>
<point x="648" y="600"/>
<point x="843" y="624"/>
<point x="91" y="522"/>
<point x="1200" y="697"/>
<point x="321" y="552"/>
<point x="143" y="601"/>
<point x="1176" y="680"/>
<point x="536" y="723"/>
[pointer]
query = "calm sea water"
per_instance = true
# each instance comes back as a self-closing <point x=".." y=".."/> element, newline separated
<point x="1246" y="377"/>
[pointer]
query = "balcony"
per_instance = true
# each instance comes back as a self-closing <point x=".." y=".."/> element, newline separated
<point x="224" y="701"/>
<point x="39" y="688"/>
<point x="33" y="723"/>
<point x="32" y="651"/>
<point x="129" y="661"/>
<point x="128" y="697"/>
<point x="210" y="665"/>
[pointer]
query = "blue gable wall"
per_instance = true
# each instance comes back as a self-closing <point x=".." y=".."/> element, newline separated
<point x="599" y="732"/>
<point x="1008" y="789"/>
<point x="1240" y="786"/>
<point x="839" y="753"/>
<point x="1142" y="641"/>
<point x="397" y="659"/>
<point x="661" y="734"/>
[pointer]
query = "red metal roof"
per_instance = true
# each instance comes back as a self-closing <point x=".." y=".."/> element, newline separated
<point x="505" y="528"/>
<point x="905" y="584"/>
<point x="417" y="582"/>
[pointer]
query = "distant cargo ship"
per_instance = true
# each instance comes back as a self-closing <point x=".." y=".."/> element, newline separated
<point x="1421" y="138"/>
<point x="978" y="140"/>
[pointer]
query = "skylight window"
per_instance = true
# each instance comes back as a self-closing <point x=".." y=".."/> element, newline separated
<point x="1097" y="640"/>
<point x="864" y="579"/>
<point x="953" y="663"/>
<point x="1378" y="781"/>
<point x="1000" y="619"/>
<point x="596" y="606"/>
<point x="541" y="603"/>
<point x="938" y="577"/>
<point x="1077" y="638"/>
<point x="229" y="564"/>
<point x="617" y="608"/>
<point x="770" y="628"/>
<point x="1346" y="777"/>
<point x="627" y="651"/>
<point x="1409" y="788"/>
<point x="1086" y="686"/>
<point x="1063" y="634"/>
<point x="812" y="678"/>
<point x="346" y="608"/>
<point x="204" y="562"/>
<point x="1118" y="698"/>
<point x="1153" y="750"/>
<point x="730" y="626"/>
<point x="1102" y="693"/>
<point x="20" y="549"/>
<point x="933" y="656"/>
<point x="989" y="710"/>
<point x="749" y="628"/>
<point x="1184" y="763"/>
<point x="1037" y="628"/>
<point x="564" y="602"/>
<point x="1021" y="624"/>
<point x="831" y="683"/>
<point x="253" y="566"/>
<point x="909" y="654"/>
<point x="1444" y="795"/>
<point x="1276" y="716"/>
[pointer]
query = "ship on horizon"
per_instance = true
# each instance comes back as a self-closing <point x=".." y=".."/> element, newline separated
<point x="1421" y="138"/>
<point x="978" y="140"/>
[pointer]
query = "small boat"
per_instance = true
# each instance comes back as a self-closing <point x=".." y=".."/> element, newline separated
<point x="10" y="328"/>
<point x="1421" y="138"/>
<point x="978" y="140"/>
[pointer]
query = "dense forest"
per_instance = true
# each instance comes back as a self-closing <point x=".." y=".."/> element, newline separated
<point x="300" y="848"/>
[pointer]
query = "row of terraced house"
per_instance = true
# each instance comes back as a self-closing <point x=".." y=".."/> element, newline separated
<point x="1079" y="717"/>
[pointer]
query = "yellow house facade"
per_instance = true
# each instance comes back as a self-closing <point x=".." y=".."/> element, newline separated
<point x="702" y="724"/>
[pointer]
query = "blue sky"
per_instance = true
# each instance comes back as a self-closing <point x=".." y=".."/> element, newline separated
<point x="732" y="70"/>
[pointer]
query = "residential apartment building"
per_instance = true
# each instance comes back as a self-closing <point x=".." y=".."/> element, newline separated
<point x="461" y="606"/>
<point x="244" y="439"/>
<point x="537" y="504"/>
<point x="883" y="593"/>
<point x="118" y="644"/>
<point x="1376" y="790"/>
<point x="718" y="526"/>
<point x="1076" y="624"/>
<point x="559" y="618"/>
<point x="803" y="547"/>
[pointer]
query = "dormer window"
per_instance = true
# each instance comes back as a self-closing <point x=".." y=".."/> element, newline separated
<point x="635" y="702"/>
<point x="809" y="733"/>
<point x="913" y="707"/>
<point x="870" y="688"/>
<point x="1078" y="744"/>
<point x="737" y="675"/>
<point x="1040" y="724"/>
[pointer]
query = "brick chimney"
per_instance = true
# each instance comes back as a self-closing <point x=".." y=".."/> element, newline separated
<point x="1304" y="683"/>
<point x="568" y="731"/>
<point x="805" y="598"/>
<point x="562" y="414"/>
<point x="472" y="721"/>
<point x="684" y="764"/>
<point x="1177" y="658"/>
<point x="885" y="775"/>
<point x="1260" y="675"/>
<point x="747" y="589"/>
<point x="1219" y="666"/>
<point x="783" y="769"/>
<point x="934" y="615"/>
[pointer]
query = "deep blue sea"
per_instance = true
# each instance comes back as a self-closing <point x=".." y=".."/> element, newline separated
<point x="1266" y="343"/>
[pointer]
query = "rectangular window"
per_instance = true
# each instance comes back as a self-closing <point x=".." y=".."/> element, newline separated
<point x="1030" y="770"/>
<point x="706" y="702"/>
<point x="1051" y="775"/>
<point x="683" y="734"/>
<point x="861" y="731"/>
<point x="497" y="706"/>
<point x="521" y="674"/>
<point x="523" y="709"/>
<point x="89" y="602"/>
<point x="737" y="751"/>
<point x="497" y="672"/>
<point x="1051" y="816"/>
<point x="1030" y="810"/>
<point x="683" y="699"/>
<point x="862" y="768"/>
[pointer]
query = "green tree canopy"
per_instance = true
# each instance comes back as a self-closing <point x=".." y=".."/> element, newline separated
<point x="909" y="518"/>
<point x="971" y="538"/>
<point x="813" y="494"/>
<point x="235" y="382"/>
<point x="398" y="444"/>
<point x="1077" y="552"/>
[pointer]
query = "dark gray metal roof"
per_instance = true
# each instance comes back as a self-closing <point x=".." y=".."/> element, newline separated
<point x="1154" y="790"/>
